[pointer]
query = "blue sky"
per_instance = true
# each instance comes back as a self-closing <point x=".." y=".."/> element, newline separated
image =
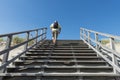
<point x="99" y="15"/>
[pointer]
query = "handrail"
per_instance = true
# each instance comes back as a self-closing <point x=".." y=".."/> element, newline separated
<point x="102" y="34"/>
<point x="108" y="54"/>
<point x="40" y="33"/>
<point x="15" y="33"/>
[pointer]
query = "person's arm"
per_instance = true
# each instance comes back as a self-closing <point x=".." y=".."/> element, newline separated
<point x="51" y="26"/>
<point x="59" y="28"/>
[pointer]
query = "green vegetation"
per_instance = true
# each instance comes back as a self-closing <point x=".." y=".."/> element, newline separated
<point x="104" y="42"/>
<point x="31" y="43"/>
<point x="1" y="39"/>
<point x="17" y="40"/>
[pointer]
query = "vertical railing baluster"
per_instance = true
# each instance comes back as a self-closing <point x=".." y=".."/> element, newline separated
<point x="45" y="32"/>
<point x="88" y="37"/>
<point x="114" y="60"/>
<point x="89" y="41"/>
<point x="41" y="32"/>
<point x="80" y="33"/>
<point x="36" y="40"/>
<point x="84" y="34"/>
<point x="27" y="38"/>
<point x="97" y="39"/>
<point x="6" y="55"/>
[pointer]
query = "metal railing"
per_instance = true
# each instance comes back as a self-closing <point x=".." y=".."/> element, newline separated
<point x="110" y="55"/>
<point x="39" y="36"/>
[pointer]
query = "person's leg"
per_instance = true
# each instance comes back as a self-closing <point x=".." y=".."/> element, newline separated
<point x="53" y="37"/>
<point x="54" y="40"/>
<point x="56" y="36"/>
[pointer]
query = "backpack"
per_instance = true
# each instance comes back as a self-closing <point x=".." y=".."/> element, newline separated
<point x="55" y="26"/>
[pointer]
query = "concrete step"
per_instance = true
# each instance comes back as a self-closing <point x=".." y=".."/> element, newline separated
<point x="59" y="54"/>
<point x="76" y="74"/>
<point x="60" y="69"/>
<point x="64" y="51"/>
<point x="60" y="58"/>
<point x="70" y="44"/>
<point x="62" y="78"/>
<point x="61" y="49"/>
<point x="60" y="62"/>
<point x="52" y="46"/>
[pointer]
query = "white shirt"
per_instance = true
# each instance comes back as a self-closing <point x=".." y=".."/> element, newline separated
<point x="54" y="29"/>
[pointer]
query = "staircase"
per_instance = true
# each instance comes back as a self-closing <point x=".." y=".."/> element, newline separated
<point x="68" y="60"/>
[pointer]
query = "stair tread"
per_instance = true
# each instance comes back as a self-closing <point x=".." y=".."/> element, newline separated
<point x="66" y="53"/>
<point x="45" y="66"/>
<point x="60" y="57"/>
<point x="103" y="74"/>
<point x="58" y="61"/>
<point x="62" y="50"/>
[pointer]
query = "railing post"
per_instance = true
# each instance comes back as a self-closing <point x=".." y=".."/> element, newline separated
<point x="84" y="34"/>
<point x="96" y="39"/>
<point x="89" y="37"/>
<point x="41" y="32"/>
<point x="80" y="33"/>
<point x="27" y="38"/>
<point x="45" y="32"/>
<point x="6" y="55"/>
<point x="112" y="46"/>
<point x="36" y="40"/>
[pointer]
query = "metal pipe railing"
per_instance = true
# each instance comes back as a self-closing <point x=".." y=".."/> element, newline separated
<point x="108" y="54"/>
<point x="39" y="33"/>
